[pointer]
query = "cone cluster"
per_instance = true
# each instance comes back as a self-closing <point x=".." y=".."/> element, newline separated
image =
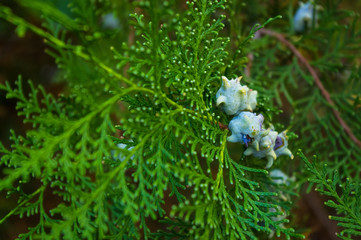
<point x="246" y="126"/>
<point x="306" y="14"/>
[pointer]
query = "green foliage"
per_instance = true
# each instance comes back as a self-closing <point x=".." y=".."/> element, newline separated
<point x="332" y="49"/>
<point x="153" y="80"/>
<point x="345" y="197"/>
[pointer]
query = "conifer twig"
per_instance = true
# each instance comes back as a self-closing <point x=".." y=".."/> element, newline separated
<point x="318" y="82"/>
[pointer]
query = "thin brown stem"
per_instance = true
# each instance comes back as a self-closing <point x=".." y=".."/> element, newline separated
<point x="247" y="71"/>
<point x="318" y="82"/>
<point x="222" y="126"/>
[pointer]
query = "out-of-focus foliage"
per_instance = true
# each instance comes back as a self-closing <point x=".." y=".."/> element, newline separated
<point x="332" y="47"/>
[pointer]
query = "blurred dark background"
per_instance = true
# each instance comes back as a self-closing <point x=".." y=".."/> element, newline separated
<point x="23" y="56"/>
